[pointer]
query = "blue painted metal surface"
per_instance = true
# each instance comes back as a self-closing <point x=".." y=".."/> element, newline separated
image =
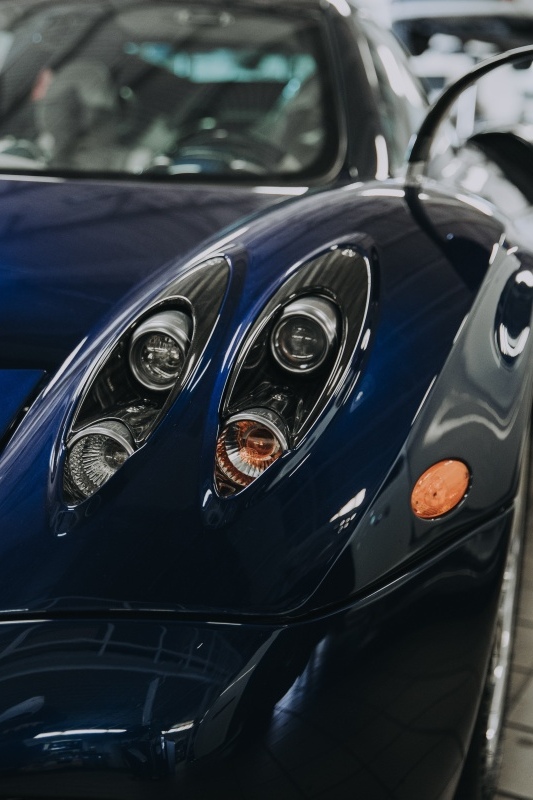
<point x="70" y="250"/>
<point x="307" y="635"/>
<point x="17" y="388"/>
<point x="257" y="553"/>
<point x="377" y="695"/>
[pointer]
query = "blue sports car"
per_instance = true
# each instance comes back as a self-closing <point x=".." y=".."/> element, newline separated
<point x="265" y="403"/>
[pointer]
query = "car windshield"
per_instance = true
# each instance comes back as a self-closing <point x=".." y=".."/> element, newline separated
<point x="163" y="88"/>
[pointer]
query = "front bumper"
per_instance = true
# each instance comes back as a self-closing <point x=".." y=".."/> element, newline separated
<point x="375" y="700"/>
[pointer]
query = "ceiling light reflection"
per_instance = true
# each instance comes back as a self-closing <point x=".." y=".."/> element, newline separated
<point x="475" y="203"/>
<point x="382" y="159"/>
<point x="383" y="192"/>
<point x="288" y="190"/>
<point x="525" y="276"/>
<point x="341" y="6"/>
<point x="351" y="505"/>
<point x="511" y="346"/>
<point x="396" y="79"/>
<point x="182" y="726"/>
<point x="79" y="732"/>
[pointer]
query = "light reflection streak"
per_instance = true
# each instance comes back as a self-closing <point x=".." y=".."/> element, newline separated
<point x="382" y="158"/>
<point x="442" y="427"/>
<point x="365" y="340"/>
<point x="395" y="77"/>
<point x="31" y="178"/>
<point x="229" y="351"/>
<point x="420" y="407"/>
<point x="79" y="732"/>
<point x="460" y="329"/>
<point x="383" y="192"/>
<point x="288" y="190"/>
<point x="351" y="505"/>
<point x="525" y="277"/>
<point x="222" y="243"/>
<point x="200" y="376"/>
<point x="182" y="726"/>
<point x="341" y="6"/>
<point x="480" y="205"/>
<point x="65" y="365"/>
<point x="494" y="253"/>
<point x="508" y="345"/>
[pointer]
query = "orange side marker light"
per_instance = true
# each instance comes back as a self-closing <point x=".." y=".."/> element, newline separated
<point x="440" y="489"/>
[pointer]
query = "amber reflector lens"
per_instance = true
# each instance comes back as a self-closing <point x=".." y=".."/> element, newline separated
<point x="246" y="448"/>
<point x="440" y="488"/>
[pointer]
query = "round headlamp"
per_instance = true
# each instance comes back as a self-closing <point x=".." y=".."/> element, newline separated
<point x="158" y="349"/>
<point x="305" y="334"/>
<point x="250" y="442"/>
<point x="96" y="453"/>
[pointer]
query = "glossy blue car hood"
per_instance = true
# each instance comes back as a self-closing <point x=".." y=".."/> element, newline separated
<point x="331" y="516"/>
<point x="70" y="250"/>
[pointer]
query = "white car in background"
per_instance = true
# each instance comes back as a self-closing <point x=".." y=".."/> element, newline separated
<point x="446" y="37"/>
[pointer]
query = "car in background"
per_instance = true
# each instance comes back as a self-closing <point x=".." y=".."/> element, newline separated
<point x="265" y="399"/>
<point x="445" y="38"/>
<point x="505" y="23"/>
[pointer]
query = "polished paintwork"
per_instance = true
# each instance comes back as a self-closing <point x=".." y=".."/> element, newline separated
<point x="308" y="637"/>
<point x="256" y="553"/>
<point x="17" y="387"/>
<point x="379" y="695"/>
<point x="69" y="250"/>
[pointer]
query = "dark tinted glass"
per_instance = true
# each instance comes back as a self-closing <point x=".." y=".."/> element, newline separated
<point x="150" y="87"/>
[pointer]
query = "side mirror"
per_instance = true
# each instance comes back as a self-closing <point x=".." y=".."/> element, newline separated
<point x="420" y="150"/>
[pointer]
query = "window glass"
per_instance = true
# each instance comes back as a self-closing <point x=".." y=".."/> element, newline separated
<point x="163" y="88"/>
<point x="400" y="98"/>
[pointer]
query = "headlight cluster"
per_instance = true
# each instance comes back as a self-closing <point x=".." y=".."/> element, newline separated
<point x="130" y="388"/>
<point x="293" y="360"/>
<point x="291" y="363"/>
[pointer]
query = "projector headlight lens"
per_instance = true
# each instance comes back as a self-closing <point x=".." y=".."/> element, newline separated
<point x="158" y="349"/>
<point x="305" y="334"/>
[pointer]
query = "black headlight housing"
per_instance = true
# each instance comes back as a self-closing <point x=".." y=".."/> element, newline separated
<point x="292" y="361"/>
<point x="130" y="388"/>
